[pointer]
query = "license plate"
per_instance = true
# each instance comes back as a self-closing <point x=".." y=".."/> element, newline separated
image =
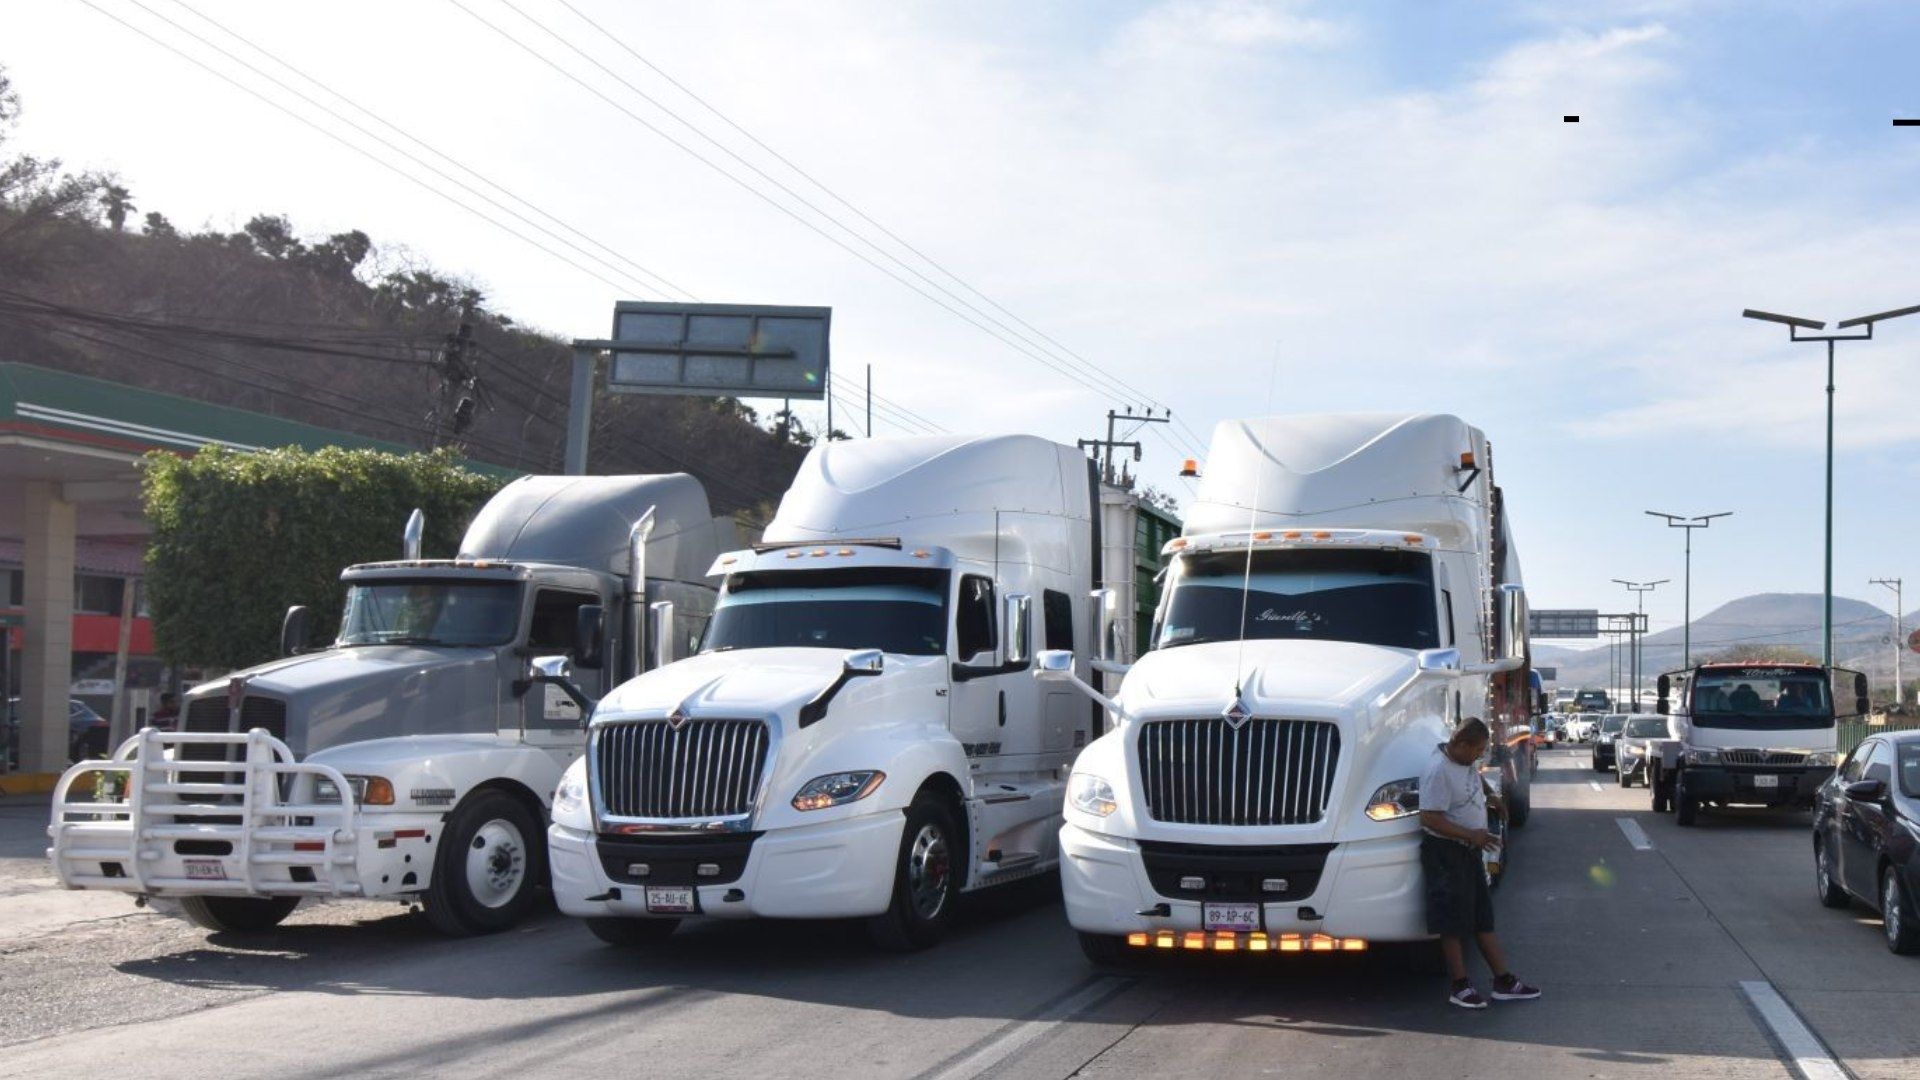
<point x="1230" y="916"/>
<point x="1766" y="780"/>
<point x="206" y="870"/>
<point x="664" y="901"/>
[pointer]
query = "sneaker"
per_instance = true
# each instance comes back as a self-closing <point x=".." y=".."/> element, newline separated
<point x="1508" y="987"/>
<point x="1467" y="997"/>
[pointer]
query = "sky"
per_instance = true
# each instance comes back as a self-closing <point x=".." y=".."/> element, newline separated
<point x="1226" y="207"/>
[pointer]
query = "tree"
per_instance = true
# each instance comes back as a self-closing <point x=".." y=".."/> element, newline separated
<point x="117" y="201"/>
<point x="159" y="226"/>
<point x="239" y="537"/>
<point x="272" y="236"/>
<point x="1763" y="654"/>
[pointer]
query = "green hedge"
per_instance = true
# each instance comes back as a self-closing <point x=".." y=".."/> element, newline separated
<point x="238" y="537"/>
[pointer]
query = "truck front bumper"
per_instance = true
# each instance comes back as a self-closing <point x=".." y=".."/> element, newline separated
<point x="1744" y="785"/>
<point x="1366" y="888"/>
<point x="835" y="870"/>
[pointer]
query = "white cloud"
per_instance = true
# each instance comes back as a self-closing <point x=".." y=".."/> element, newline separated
<point x="1185" y="25"/>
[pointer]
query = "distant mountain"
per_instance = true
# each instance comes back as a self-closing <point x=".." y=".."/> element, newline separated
<point x="1862" y="638"/>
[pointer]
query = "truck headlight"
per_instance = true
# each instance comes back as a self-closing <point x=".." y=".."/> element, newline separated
<point x="570" y="798"/>
<point x="1089" y="794"/>
<point x="1395" y="799"/>
<point x="1822" y="757"/>
<point x="1703" y="757"/>
<point x="367" y="790"/>
<point x="837" y="789"/>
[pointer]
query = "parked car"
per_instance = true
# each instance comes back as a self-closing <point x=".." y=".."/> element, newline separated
<point x="1630" y="746"/>
<point x="86" y="732"/>
<point x="1866" y="835"/>
<point x="1610" y="725"/>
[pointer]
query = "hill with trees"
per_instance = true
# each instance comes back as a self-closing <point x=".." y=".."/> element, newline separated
<point x="342" y="330"/>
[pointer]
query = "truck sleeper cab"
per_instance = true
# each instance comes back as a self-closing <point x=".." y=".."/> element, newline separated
<point x="1259" y="790"/>
<point x="860" y="734"/>
<point x="1749" y="735"/>
<point x="412" y="759"/>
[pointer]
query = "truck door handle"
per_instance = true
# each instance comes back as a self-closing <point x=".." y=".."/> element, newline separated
<point x="1003" y="708"/>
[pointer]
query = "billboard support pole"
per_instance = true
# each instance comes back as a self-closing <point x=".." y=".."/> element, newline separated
<point x="580" y="410"/>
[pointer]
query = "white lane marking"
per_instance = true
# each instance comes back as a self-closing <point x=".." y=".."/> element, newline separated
<point x="1803" y="1049"/>
<point x="1635" y="834"/>
<point x="1595" y="785"/>
<point x="1003" y="1047"/>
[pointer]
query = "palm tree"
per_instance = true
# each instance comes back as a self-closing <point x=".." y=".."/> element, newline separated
<point x="118" y="202"/>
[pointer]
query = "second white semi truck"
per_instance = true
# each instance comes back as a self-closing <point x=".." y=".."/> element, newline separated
<point x="1345" y="592"/>
<point x="860" y="733"/>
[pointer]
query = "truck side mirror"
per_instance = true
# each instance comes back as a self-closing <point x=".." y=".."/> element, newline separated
<point x="293" y="630"/>
<point x="865" y="662"/>
<point x="558" y="671"/>
<point x="1106" y="605"/>
<point x="589" y="637"/>
<point x="1056" y="665"/>
<point x="1437" y="661"/>
<point x="1513" y="623"/>
<point x="1019" y="620"/>
<point x="660" y="633"/>
<point x="1861" y="704"/>
<point x="1663" y="702"/>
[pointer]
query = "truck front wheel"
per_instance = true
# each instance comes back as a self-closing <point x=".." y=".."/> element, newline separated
<point x="237" y="914"/>
<point x="925" y="886"/>
<point x="489" y="865"/>
<point x="1685" y="806"/>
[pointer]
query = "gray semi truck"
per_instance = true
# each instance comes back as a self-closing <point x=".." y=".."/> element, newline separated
<point x="413" y="759"/>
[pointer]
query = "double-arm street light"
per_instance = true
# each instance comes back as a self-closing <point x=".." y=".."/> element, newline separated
<point x="1640" y="589"/>
<point x="1681" y="521"/>
<point x="1794" y="325"/>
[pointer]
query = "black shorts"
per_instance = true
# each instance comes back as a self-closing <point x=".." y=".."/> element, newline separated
<point x="1458" y="903"/>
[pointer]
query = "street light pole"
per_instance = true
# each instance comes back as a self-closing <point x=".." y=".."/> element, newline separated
<point x="1899" y="633"/>
<point x="1640" y="589"/>
<point x="1794" y="325"/>
<point x="1681" y="521"/>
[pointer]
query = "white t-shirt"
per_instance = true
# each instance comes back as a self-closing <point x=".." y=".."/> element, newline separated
<point x="1454" y="790"/>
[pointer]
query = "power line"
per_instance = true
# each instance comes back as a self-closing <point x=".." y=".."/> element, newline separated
<point x="669" y="286"/>
<point x="1015" y="343"/>
<point x="362" y="151"/>
<point x="838" y="198"/>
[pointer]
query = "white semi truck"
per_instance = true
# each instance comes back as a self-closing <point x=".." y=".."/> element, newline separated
<point x="860" y="734"/>
<point x="1344" y="593"/>
<point x="413" y="759"/>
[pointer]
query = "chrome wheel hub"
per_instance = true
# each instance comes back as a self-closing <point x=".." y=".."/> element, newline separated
<point x="928" y="869"/>
<point x="496" y="863"/>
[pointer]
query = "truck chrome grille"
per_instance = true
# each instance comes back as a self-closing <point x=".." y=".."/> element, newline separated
<point x="1763" y="757"/>
<point x="1265" y="772"/>
<point x="702" y="769"/>
<point x="210" y="713"/>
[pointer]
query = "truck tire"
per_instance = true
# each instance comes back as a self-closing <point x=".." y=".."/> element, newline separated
<point x="489" y="867"/>
<point x="237" y="914"/>
<point x="1104" y="950"/>
<point x="1685" y="806"/>
<point x="1831" y="893"/>
<point x="632" y="933"/>
<point x="1520" y="809"/>
<point x="1896" y="908"/>
<point x="925" y="887"/>
<point x="1662" y="787"/>
<point x="1625" y="778"/>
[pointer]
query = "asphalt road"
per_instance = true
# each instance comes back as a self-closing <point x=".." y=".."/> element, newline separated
<point x="1705" y="954"/>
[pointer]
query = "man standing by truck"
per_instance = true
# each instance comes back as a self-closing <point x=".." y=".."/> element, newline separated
<point x="1453" y="813"/>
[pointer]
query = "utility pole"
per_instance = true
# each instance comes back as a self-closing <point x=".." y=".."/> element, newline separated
<point x="1899" y="634"/>
<point x="1640" y="589"/>
<point x="1678" y="521"/>
<point x="1104" y="448"/>
<point x="458" y="398"/>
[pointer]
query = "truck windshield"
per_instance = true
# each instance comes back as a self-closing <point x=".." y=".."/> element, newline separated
<point x="431" y="612"/>
<point x="894" y="610"/>
<point x="1364" y="596"/>
<point x="1761" y="699"/>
